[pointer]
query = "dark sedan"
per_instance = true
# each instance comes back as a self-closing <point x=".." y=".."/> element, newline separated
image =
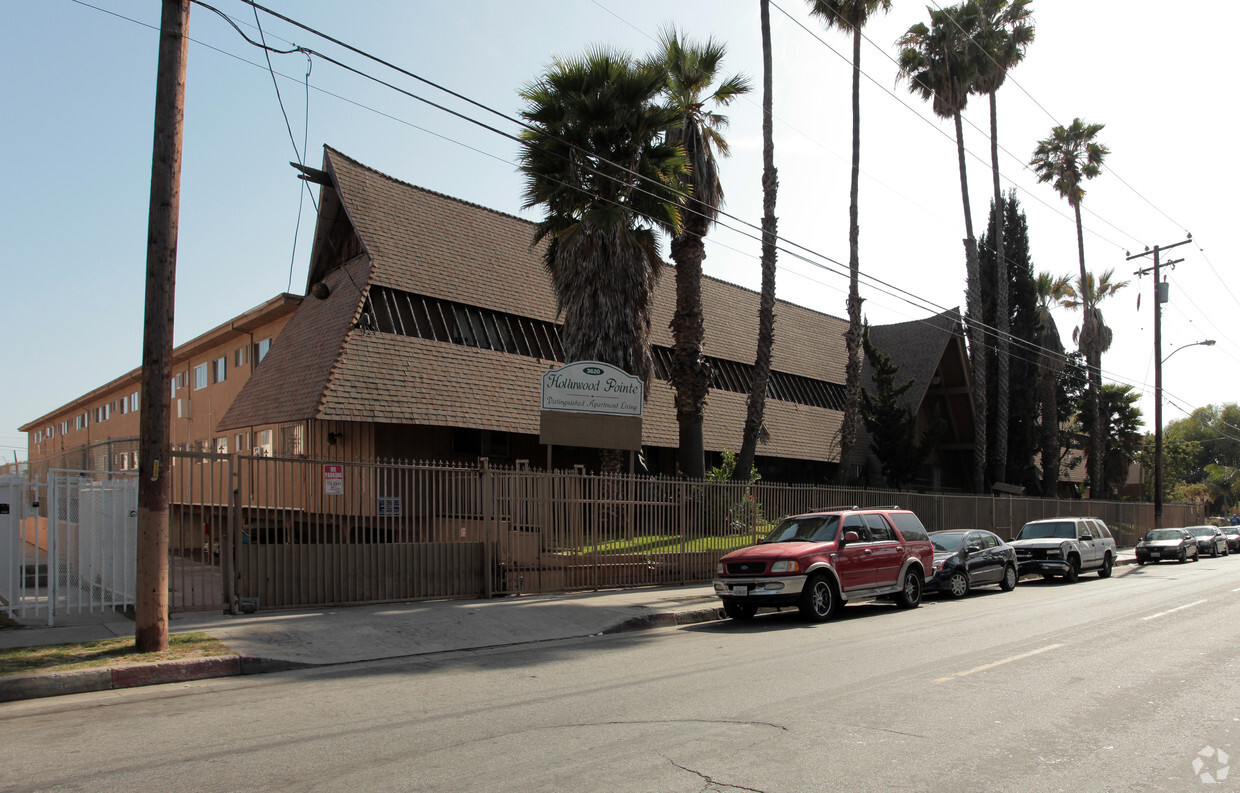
<point x="967" y="559"/>
<point x="1175" y="544"/>
<point x="1210" y="540"/>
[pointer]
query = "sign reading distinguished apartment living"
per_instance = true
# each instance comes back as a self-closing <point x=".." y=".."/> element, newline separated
<point x="592" y="387"/>
<point x="590" y="403"/>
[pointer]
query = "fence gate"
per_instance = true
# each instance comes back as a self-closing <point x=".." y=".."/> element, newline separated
<point x="68" y="546"/>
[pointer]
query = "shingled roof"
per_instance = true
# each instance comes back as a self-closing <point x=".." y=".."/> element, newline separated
<point x="418" y="241"/>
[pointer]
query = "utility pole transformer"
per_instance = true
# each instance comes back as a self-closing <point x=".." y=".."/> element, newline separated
<point x="1158" y="439"/>
<point x="154" y="483"/>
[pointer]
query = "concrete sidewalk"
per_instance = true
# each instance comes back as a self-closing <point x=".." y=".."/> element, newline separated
<point x="281" y="640"/>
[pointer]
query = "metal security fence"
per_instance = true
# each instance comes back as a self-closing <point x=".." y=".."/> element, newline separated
<point x="67" y="545"/>
<point x="265" y="532"/>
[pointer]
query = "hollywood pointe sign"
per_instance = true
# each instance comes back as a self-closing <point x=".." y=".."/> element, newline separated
<point x="593" y="404"/>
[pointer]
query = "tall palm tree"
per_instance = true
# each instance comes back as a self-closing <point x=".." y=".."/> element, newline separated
<point x="692" y="70"/>
<point x="1067" y="158"/>
<point x="1051" y="292"/>
<point x="940" y="67"/>
<point x="1093" y="337"/>
<point x="851" y="16"/>
<point x="1004" y="33"/>
<point x="596" y="160"/>
<point x="756" y="406"/>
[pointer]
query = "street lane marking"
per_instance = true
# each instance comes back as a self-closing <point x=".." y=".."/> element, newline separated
<point x="1177" y="608"/>
<point x="1237" y="589"/>
<point x="993" y="664"/>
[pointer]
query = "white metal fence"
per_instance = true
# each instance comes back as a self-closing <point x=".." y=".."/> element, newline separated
<point x="67" y="545"/>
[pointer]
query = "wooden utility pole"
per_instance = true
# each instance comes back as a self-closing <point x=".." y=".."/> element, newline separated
<point x="1158" y="359"/>
<point x="154" y="483"/>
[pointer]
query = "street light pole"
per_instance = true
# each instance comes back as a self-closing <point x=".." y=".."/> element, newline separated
<point x="1158" y="438"/>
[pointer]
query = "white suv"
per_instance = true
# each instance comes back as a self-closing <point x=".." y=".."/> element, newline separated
<point x="1065" y="547"/>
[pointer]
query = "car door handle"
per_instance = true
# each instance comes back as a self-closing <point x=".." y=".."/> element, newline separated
<point x="868" y="552"/>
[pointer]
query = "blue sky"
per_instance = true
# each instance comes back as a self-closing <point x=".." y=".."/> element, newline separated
<point x="78" y="97"/>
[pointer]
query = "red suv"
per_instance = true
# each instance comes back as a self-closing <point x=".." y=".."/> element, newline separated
<point x="820" y="560"/>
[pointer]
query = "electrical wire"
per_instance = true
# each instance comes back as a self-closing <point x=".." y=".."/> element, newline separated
<point x="900" y="294"/>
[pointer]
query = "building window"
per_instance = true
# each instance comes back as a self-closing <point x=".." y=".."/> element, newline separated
<point x="219" y="369"/>
<point x="263" y="447"/>
<point x="122" y="461"/>
<point x="133" y="402"/>
<point x="261" y="348"/>
<point x="64" y="428"/>
<point x="239" y="357"/>
<point x="83" y="420"/>
<point x="292" y="440"/>
<point x="122" y="407"/>
<point x="200" y="377"/>
<point x="178" y="382"/>
<point x="133" y="460"/>
<point x="221" y="445"/>
<point x="243" y="442"/>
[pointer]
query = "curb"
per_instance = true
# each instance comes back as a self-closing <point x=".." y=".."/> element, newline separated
<point x="13" y="689"/>
<point x="664" y="619"/>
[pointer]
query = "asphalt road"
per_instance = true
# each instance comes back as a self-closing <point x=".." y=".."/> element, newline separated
<point x="1104" y="685"/>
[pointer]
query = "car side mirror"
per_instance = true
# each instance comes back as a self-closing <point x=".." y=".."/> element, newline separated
<point x="973" y="549"/>
<point x="851" y="536"/>
<point x="1087" y="536"/>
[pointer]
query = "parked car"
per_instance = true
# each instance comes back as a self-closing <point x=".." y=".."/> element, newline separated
<point x="967" y="559"/>
<point x="1232" y="533"/>
<point x="820" y="560"/>
<point x="1210" y="540"/>
<point x="1162" y="544"/>
<point x="1065" y="547"/>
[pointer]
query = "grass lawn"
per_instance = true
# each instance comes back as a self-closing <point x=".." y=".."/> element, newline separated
<point x="108" y="652"/>
<point x="670" y="543"/>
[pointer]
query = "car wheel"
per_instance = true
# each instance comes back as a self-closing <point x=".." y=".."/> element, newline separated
<point x="1183" y="556"/>
<point x="1074" y="571"/>
<point x="910" y="594"/>
<point x="1008" y="583"/>
<point x="1105" y="572"/>
<point x="958" y="584"/>
<point x="1213" y="551"/>
<point x="739" y="611"/>
<point x="1140" y="563"/>
<point x="818" y="600"/>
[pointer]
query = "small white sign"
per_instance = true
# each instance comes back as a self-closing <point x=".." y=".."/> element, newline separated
<point x="592" y="387"/>
<point x="333" y="480"/>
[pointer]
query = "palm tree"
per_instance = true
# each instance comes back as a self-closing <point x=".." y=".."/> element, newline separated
<point x="1051" y="292"/>
<point x="940" y="67"/>
<point x="756" y="406"/>
<point x="1004" y="34"/>
<point x="595" y="158"/>
<point x="691" y="71"/>
<point x="1067" y="158"/>
<point x="1093" y="338"/>
<point x="851" y="16"/>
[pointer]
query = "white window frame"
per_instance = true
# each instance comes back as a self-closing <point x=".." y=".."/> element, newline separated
<point x="219" y="369"/>
<point x="202" y="376"/>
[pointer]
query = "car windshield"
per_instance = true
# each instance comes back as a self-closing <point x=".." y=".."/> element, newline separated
<point x="947" y="541"/>
<point x="818" y="528"/>
<point x="1202" y="531"/>
<point x="1064" y="529"/>
<point x="1162" y="534"/>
